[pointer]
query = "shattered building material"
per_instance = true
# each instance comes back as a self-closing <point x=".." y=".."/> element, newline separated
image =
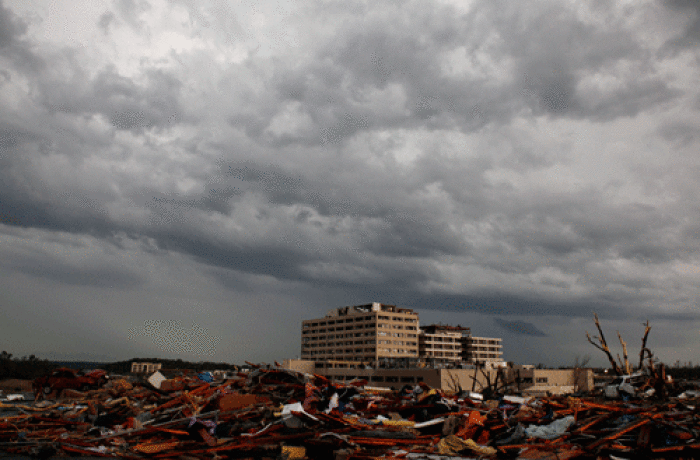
<point x="156" y="379"/>
<point x="280" y="413"/>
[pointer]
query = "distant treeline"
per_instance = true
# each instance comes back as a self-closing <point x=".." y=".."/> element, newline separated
<point x="123" y="367"/>
<point x="26" y="367"/>
<point x="31" y="367"/>
<point x="684" y="373"/>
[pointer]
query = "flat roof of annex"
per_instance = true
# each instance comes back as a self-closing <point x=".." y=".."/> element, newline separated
<point x="445" y="329"/>
<point x="356" y="310"/>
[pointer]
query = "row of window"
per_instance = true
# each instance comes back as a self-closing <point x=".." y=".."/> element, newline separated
<point x="428" y="338"/>
<point x="396" y="351"/>
<point x="355" y="319"/>
<point x="484" y="341"/>
<point x="395" y="326"/>
<point x="399" y="343"/>
<point x="443" y="347"/>
<point x="338" y="344"/>
<point x="323" y="343"/>
<point x="482" y="349"/>
<point x="336" y="336"/>
<point x="340" y="328"/>
<point x="407" y="343"/>
<point x="360" y="326"/>
<point x="358" y="334"/>
<point x="396" y="334"/>
<point x="368" y="352"/>
<point x="347" y="351"/>
<point x="398" y="318"/>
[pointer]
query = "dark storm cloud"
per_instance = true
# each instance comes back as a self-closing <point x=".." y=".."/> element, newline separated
<point x="14" y="45"/>
<point x="10" y="27"/>
<point x="560" y="225"/>
<point x="505" y="159"/>
<point x="83" y="218"/>
<point x="404" y="231"/>
<point x="85" y="276"/>
<point x="279" y="260"/>
<point x="126" y="104"/>
<point x="90" y="274"/>
<point x="28" y="203"/>
<point x="106" y="20"/>
<point x="12" y="136"/>
<point x="370" y="57"/>
<point x="506" y="304"/>
<point x="317" y="199"/>
<point x="690" y="36"/>
<point x="552" y="51"/>
<point x="623" y="307"/>
<point x="682" y="133"/>
<point x="519" y="327"/>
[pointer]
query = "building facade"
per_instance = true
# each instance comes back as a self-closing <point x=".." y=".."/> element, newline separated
<point x="149" y="368"/>
<point x="440" y="344"/>
<point x="362" y="334"/>
<point x="518" y="380"/>
<point x="482" y="350"/>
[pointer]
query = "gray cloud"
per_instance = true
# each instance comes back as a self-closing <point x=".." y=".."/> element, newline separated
<point x="125" y="104"/>
<point x="85" y="276"/>
<point x="519" y="327"/>
<point x="10" y="27"/>
<point x="43" y="264"/>
<point x="682" y="133"/>
<point x="506" y="159"/>
<point x="690" y="36"/>
<point x="105" y="20"/>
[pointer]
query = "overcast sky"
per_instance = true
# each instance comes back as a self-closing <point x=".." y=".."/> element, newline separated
<point x="192" y="179"/>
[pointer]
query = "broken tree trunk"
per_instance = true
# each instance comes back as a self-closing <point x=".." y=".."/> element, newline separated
<point x="647" y="328"/>
<point x="628" y="369"/>
<point x="603" y="346"/>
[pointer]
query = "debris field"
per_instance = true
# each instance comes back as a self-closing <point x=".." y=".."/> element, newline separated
<point x="283" y="414"/>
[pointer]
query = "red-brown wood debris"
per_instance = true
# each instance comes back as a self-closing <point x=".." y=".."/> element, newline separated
<point x="282" y="414"/>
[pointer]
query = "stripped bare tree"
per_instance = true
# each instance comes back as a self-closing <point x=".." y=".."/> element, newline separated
<point x="602" y="345"/>
<point x="622" y="365"/>
<point x="626" y="363"/>
<point x="644" y="349"/>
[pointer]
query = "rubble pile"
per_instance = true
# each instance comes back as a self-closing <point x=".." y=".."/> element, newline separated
<point x="283" y="414"/>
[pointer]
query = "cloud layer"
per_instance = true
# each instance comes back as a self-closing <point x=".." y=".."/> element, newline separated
<point x="489" y="158"/>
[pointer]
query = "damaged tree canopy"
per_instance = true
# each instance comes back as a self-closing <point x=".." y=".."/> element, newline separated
<point x="622" y="365"/>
